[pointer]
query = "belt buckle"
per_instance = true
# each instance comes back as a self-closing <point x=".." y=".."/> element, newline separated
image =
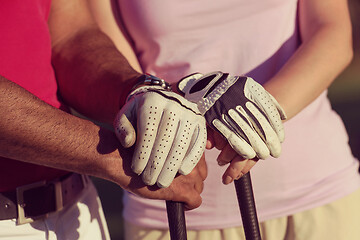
<point x="22" y="218"/>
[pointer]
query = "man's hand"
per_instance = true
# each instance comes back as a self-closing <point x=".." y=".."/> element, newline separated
<point x="184" y="189"/>
<point x="170" y="134"/>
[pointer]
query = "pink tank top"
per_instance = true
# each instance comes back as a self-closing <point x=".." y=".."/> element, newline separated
<point x="175" y="38"/>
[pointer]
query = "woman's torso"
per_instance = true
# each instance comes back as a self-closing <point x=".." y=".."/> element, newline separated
<point x="175" y="38"/>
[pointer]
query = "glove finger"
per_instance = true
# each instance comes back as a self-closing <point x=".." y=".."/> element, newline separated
<point x="196" y="149"/>
<point x="244" y="124"/>
<point x="278" y="107"/>
<point x="264" y="129"/>
<point x="161" y="148"/>
<point x="268" y="105"/>
<point x="177" y="153"/>
<point x="237" y="143"/>
<point x="278" y="125"/>
<point x="123" y="125"/>
<point x="273" y="114"/>
<point x="149" y="117"/>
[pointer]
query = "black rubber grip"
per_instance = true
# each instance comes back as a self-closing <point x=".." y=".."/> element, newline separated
<point x="247" y="207"/>
<point x="176" y="219"/>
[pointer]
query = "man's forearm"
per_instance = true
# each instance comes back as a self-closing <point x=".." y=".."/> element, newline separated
<point x="35" y="132"/>
<point x="94" y="78"/>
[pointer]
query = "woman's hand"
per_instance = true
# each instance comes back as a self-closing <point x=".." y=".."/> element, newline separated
<point x="238" y="166"/>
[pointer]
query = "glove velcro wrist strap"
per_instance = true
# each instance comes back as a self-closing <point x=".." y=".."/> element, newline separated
<point x="206" y="89"/>
<point x="143" y="89"/>
<point x="150" y="80"/>
<point x="168" y="95"/>
<point x="205" y="104"/>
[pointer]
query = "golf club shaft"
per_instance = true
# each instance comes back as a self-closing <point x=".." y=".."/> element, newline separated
<point x="176" y="219"/>
<point x="247" y="207"/>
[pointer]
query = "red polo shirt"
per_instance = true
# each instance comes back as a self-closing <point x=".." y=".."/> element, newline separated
<point x="25" y="58"/>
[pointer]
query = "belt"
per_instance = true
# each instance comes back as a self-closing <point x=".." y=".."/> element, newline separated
<point x="37" y="200"/>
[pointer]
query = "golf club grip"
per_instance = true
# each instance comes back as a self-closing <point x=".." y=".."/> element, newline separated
<point x="176" y="219"/>
<point x="247" y="206"/>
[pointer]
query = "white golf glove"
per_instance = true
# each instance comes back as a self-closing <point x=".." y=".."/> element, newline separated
<point x="169" y="131"/>
<point x="240" y="109"/>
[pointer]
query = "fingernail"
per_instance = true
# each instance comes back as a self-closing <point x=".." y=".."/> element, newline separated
<point x="221" y="163"/>
<point x="238" y="177"/>
<point x="228" y="180"/>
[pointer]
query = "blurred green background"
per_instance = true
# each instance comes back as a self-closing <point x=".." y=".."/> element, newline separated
<point x="344" y="94"/>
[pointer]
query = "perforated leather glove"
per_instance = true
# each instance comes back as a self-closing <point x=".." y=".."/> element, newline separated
<point x="240" y="109"/>
<point x="169" y="131"/>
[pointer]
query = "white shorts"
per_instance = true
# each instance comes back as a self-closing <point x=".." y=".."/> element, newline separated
<point x="83" y="219"/>
<point x="338" y="220"/>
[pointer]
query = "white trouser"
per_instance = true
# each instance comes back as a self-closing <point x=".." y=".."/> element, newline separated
<point x="84" y="219"/>
<point x="338" y="220"/>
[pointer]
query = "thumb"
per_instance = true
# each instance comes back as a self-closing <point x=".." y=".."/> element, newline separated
<point x="124" y="125"/>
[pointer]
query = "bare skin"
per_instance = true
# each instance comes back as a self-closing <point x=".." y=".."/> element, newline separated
<point x="326" y="50"/>
<point x="94" y="78"/>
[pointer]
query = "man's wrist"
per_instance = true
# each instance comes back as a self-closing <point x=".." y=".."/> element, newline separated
<point x="150" y="80"/>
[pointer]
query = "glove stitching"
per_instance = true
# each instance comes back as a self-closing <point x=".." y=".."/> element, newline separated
<point x="235" y="128"/>
<point x="255" y="124"/>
